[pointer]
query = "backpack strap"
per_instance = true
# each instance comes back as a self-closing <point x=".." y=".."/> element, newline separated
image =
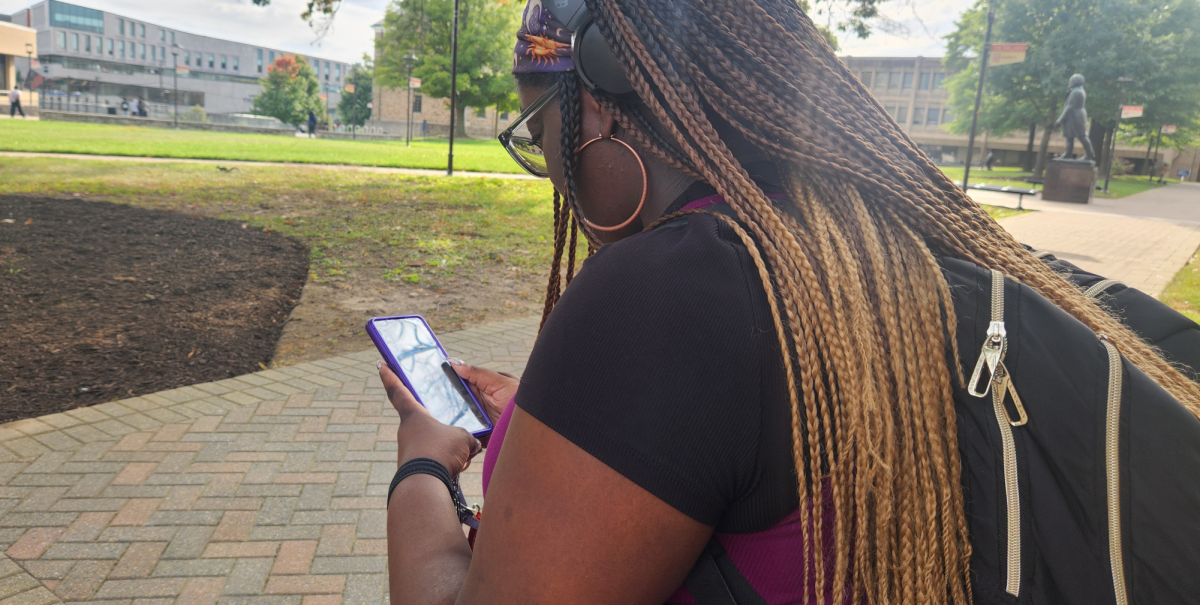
<point x="715" y="580"/>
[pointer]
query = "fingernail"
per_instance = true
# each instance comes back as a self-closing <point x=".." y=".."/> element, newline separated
<point x="454" y="361"/>
<point x="379" y="364"/>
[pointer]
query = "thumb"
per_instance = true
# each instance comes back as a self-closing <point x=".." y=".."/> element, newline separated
<point x="401" y="398"/>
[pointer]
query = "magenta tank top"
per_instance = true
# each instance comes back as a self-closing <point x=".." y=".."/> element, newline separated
<point x="770" y="560"/>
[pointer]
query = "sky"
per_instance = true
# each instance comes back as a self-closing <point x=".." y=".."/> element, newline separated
<point x="916" y="30"/>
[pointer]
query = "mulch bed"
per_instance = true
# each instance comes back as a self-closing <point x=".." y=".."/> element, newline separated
<point x="101" y="301"/>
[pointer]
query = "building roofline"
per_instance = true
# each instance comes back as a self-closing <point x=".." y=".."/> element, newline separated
<point x="181" y="30"/>
<point x="15" y="26"/>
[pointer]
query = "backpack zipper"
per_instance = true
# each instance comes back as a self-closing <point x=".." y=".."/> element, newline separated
<point x="1099" y="287"/>
<point x="1112" y="467"/>
<point x="1000" y="385"/>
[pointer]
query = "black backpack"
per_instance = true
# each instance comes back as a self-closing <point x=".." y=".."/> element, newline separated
<point x="1171" y="331"/>
<point x="1081" y="476"/>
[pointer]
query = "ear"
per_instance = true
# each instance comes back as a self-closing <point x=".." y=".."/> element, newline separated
<point x="596" y="119"/>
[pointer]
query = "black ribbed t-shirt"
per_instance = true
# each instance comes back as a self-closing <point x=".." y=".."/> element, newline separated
<point x="661" y="360"/>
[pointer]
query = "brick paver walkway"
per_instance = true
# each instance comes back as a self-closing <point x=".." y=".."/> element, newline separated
<point x="265" y="489"/>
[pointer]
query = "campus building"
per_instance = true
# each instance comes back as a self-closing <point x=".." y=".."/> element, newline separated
<point x="912" y="90"/>
<point x="430" y="115"/>
<point x="16" y="43"/>
<point x="93" y="56"/>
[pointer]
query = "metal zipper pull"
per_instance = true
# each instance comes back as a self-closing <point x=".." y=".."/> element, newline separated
<point x="1004" y="386"/>
<point x="991" y="354"/>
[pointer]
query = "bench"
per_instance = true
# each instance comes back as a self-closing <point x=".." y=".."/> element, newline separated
<point x="1021" y="192"/>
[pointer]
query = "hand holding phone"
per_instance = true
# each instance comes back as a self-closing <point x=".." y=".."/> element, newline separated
<point x="414" y="354"/>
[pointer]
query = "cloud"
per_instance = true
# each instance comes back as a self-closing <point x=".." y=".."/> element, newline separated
<point x="276" y="26"/>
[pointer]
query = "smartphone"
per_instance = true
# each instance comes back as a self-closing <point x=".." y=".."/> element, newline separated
<point x="412" y="351"/>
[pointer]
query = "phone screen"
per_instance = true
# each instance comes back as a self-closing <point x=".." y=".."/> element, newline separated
<point x="433" y="380"/>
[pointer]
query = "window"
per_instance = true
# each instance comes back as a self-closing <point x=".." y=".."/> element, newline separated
<point x="87" y="43"/>
<point x="76" y="17"/>
<point x="931" y="118"/>
<point x="866" y="78"/>
<point x="938" y="80"/>
<point x="62" y="39"/>
<point x="162" y="35"/>
<point x="172" y="38"/>
<point x="337" y="72"/>
<point x="211" y="62"/>
<point x="881" y="79"/>
<point x="199" y="60"/>
<point x="260" y="60"/>
<point x="271" y="57"/>
<point x="121" y="26"/>
<point x="235" y="63"/>
<point x="918" y="113"/>
<point x="187" y="57"/>
<point x="121" y="48"/>
<point x="416" y="104"/>
<point x="142" y="30"/>
<point x="908" y="81"/>
<point x="481" y="112"/>
<point x="902" y="114"/>
<point x="74" y="41"/>
<point x="316" y="65"/>
<point x="142" y="51"/>
<point x="327" y="70"/>
<point x="894" y="79"/>
<point x="224" y="62"/>
<point x="504" y="115"/>
<point x="891" y="110"/>
<point x="924" y="84"/>
<point x="153" y="53"/>
<point x="110" y="47"/>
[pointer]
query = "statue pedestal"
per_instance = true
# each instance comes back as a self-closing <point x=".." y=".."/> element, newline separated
<point x="1069" y="181"/>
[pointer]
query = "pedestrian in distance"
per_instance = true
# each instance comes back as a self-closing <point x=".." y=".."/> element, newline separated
<point x="312" y="123"/>
<point x="134" y="107"/>
<point x="125" y="107"/>
<point x="143" y="111"/>
<point x="780" y="373"/>
<point x="991" y="157"/>
<point x="14" y="103"/>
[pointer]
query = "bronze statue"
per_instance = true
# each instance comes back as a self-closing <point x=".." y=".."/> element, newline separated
<point x="1074" y="120"/>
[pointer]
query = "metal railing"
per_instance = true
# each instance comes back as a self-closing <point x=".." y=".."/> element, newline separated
<point x="81" y="104"/>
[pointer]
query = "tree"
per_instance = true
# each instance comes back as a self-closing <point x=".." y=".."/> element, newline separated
<point x="485" y="43"/>
<point x="1102" y="39"/>
<point x="352" y="107"/>
<point x="289" y="91"/>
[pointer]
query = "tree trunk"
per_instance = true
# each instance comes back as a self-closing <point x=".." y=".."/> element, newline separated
<point x="1106" y="164"/>
<point x="1028" y="166"/>
<point x="1039" y="168"/>
<point x="460" y="122"/>
<point x="1096" y="133"/>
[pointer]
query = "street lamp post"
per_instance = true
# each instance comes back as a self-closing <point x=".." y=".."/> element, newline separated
<point x="453" y="89"/>
<point x="987" y="47"/>
<point x="175" y="48"/>
<point x="1112" y="149"/>
<point x="96" y="97"/>
<point x="29" y="51"/>
<point x="410" y="60"/>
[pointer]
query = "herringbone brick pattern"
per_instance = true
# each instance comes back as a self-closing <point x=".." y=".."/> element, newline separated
<point x="266" y="489"/>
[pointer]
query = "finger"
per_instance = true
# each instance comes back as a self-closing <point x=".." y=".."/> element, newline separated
<point x="398" y="394"/>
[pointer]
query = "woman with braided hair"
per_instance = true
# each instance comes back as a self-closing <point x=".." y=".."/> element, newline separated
<point x="755" y="376"/>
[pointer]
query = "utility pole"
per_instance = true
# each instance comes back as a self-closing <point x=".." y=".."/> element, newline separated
<point x="409" y="61"/>
<point x="175" y="48"/>
<point x="453" y="89"/>
<point x="29" y="51"/>
<point x="987" y="47"/>
<point x="1112" y="149"/>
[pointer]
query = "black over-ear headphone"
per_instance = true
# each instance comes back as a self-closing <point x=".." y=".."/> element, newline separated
<point x="595" y="62"/>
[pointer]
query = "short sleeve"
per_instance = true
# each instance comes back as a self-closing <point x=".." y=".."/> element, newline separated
<point x="652" y="363"/>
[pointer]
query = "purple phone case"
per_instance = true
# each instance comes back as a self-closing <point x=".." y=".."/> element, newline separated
<point x="389" y="358"/>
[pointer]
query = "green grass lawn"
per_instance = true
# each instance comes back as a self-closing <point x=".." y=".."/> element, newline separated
<point x="1183" y="293"/>
<point x="481" y="155"/>
<point x="1120" y="186"/>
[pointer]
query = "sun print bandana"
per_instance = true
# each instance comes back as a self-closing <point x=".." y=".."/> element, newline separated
<point x="543" y="42"/>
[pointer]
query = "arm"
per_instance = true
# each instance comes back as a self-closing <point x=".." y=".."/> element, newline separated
<point x="561" y="526"/>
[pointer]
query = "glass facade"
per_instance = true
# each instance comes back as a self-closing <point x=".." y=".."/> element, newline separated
<point x="235" y="63"/>
<point x="259" y="60"/>
<point x="76" y="17"/>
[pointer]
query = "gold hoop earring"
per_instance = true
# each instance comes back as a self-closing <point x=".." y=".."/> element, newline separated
<point x="641" y="202"/>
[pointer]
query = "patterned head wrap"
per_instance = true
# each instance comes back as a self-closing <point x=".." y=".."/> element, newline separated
<point x="543" y="42"/>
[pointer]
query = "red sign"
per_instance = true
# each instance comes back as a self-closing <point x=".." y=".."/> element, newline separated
<point x="1169" y="129"/>
<point x="414" y="82"/>
<point x="1129" y="112"/>
<point x="1004" y="54"/>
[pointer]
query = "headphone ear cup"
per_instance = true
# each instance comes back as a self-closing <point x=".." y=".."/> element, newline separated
<point x="597" y="64"/>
